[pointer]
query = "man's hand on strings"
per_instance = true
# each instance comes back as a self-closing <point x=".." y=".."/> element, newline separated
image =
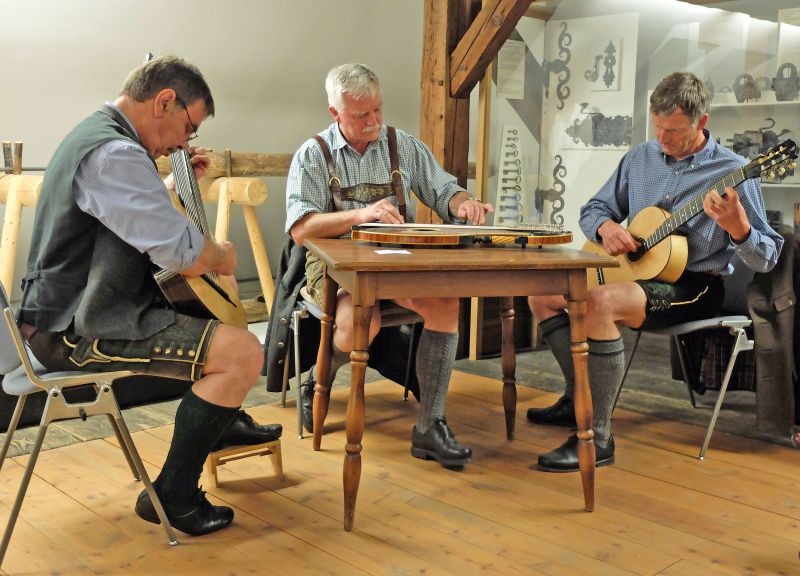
<point x="728" y="212"/>
<point x="473" y="211"/>
<point x="382" y="211"/>
<point x="200" y="162"/>
<point x="616" y="239"/>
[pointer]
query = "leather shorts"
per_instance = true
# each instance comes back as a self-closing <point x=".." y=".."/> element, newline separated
<point x="694" y="296"/>
<point x="178" y="351"/>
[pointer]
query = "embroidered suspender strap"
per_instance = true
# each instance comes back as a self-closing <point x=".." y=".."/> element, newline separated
<point x="334" y="183"/>
<point x="397" y="178"/>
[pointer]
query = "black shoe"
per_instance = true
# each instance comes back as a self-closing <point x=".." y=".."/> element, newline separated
<point x="565" y="457"/>
<point x="307" y="401"/>
<point x="562" y="413"/>
<point x="204" y="518"/>
<point x="244" y="431"/>
<point x="439" y="444"/>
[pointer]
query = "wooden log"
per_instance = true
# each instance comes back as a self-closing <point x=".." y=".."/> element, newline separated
<point x="244" y="191"/>
<point x="16" y="191"/>
<point x="242" y="164"/>
<point x="26" y="188"/>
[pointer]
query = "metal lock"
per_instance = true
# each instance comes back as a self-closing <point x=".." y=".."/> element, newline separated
<point x="786" y="83"/>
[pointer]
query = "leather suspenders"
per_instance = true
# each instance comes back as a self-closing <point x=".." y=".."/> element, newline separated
<point x="367" y="192"/>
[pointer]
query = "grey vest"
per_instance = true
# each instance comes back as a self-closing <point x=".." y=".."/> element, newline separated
<point x="79" y="272"/>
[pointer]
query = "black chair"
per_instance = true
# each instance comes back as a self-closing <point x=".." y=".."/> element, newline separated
<point x="391" y="315"/>
<point x="733" y="318"/>
<point x="24" y="375"/>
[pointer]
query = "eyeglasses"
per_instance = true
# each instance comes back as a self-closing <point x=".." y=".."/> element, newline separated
<point x="193" y="133"/>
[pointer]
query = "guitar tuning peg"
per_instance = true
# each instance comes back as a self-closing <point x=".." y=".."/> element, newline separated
<point x="781" y="171"/>
<point x="771" y="175"/>
<point x="793" y="165"/>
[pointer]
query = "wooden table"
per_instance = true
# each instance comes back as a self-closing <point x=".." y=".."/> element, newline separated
<point x="445" y="273"/>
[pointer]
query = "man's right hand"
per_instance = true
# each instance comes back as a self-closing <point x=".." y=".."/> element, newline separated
<point x="616" y="239"/>
<point x="216" y="256"/>
<point x="382" y="211"/>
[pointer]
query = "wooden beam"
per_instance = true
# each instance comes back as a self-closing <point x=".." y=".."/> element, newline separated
<point x="242" y="164"/>
<point x="480" y="44"/>
<point x="444" y="121"/>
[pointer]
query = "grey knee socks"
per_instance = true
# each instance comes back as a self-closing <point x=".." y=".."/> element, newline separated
<point x="606" y="367"/>
<point x="435" y="357"/>
<point x="555" y="332"/>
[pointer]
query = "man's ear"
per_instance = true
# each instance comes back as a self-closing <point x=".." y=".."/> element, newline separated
<point x="334" y="113"/>
<point x="163" y="101"/>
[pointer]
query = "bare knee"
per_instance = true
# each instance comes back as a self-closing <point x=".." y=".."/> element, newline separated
<point x="544" y="307"/>
<point x="236" y="353"/>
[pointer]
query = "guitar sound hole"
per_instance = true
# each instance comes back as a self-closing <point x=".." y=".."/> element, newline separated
<point x="637" y="254"/>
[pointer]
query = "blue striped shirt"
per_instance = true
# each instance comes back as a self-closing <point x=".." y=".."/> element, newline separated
<point x="648" y="177"/>
<point x="307" y="184"/>
<point x="118" y="184"/>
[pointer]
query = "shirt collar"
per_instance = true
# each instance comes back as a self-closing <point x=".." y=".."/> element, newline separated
<point x="702" y="155"/>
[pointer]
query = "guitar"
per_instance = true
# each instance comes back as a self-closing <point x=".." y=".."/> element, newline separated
<point x="662" y="254"/>
<point x="444" y="235"/>
<point x="209" y="295"/>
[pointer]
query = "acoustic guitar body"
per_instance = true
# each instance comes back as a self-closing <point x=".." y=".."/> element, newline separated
<point x="665" y="261"/>
<point x="195" y="296"/>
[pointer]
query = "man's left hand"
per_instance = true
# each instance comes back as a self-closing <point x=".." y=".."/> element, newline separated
<point x="200" y="162"/>
<point x="728" y="212"/>
<point x="474" y="211"/>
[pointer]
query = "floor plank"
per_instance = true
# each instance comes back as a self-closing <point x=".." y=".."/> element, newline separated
<point x="659" y="509"/>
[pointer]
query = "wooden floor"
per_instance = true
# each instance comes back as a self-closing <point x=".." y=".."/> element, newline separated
<point x="659" y="510"/>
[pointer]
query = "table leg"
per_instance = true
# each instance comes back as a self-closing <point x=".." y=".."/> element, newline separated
<point x="322" y="392"/>
<point x="355" y="411"/>
<point x="509" y="364"/>
<point x="583" y="399"/>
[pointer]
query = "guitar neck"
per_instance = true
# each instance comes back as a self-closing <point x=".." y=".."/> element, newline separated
<point x="692" y="208"/>
<point x="188" y="190"/>
<point x="189" y="193"/>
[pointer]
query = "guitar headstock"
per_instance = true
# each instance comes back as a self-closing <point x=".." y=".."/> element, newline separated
<point x="774" y="161"/>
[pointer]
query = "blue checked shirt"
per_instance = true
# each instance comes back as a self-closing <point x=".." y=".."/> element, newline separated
<point x="647" y="177"/>
<point x="307" y="184"/>
<point x="118" y="184"/>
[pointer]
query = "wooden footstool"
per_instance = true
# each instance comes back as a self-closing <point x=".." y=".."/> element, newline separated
<point x="221" y="457"/>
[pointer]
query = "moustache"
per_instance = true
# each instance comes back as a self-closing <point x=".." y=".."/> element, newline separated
<point x="370" y="129"/>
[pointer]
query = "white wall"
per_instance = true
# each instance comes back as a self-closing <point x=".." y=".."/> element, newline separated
<point x="265" y="61"/>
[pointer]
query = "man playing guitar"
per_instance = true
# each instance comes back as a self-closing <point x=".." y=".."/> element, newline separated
<point x="669" y="172"/>
<point x="90" y="301"/>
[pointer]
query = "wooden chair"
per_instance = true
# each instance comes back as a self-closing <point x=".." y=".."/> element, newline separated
<point x="24" y="375"/>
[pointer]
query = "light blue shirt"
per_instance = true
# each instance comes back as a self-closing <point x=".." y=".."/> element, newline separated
<point x="307" y="184"/>
<point x="118" y="184"/>
<point x="648" y="177"/>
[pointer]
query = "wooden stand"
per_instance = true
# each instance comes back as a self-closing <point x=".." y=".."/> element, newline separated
<point x="222" y="457"/>
<point x="16" y="190"/>
<point x="248" y="193"/>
